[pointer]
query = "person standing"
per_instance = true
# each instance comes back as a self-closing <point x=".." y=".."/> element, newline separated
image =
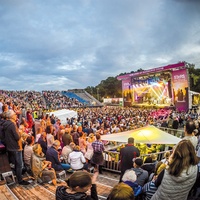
<point x="14" y="144"/>
<point x="66" y="138"/>
<point x="189" y="133"/>
<point x="126" y="156"/>
<point x="97" y="158"/>
<point x="177" y="179"/>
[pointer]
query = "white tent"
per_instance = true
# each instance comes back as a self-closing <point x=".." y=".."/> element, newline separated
<point x="148" y="135"/>
<point x="64" y="114"/>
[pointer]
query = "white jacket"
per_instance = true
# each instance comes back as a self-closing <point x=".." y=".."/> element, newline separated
<point x="76" y="160"/>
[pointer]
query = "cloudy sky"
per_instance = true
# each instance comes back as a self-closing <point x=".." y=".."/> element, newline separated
<point x="66" y="44"/>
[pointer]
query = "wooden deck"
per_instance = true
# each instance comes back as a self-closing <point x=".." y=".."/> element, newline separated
<point x="34" y="191"/>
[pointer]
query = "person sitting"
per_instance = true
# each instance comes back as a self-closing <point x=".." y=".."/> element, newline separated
<point x="43" y="143"/>
<point x="142" y="175"/>
<point x="52" y="155"/>
<point x="148" y="165"/>
<point x="76" y="159"/>
<point x="28" y="151"/>
<point x="67" y="150"/>
<point x="40" y="167"/>
<point x="130" y="179"/>
<point x="150" y="188"/>
<point x="78" y="185"/>
<point x="121" y="191"/>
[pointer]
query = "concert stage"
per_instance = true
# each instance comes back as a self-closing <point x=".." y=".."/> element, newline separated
<point x="160" y="87"/>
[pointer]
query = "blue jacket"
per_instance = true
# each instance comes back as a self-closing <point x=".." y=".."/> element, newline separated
<point x="53" y="157"/>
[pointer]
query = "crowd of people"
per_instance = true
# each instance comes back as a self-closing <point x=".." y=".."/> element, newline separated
<point x="39" y="143"/>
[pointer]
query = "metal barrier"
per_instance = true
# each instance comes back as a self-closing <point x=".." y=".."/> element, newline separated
<point x="112" y="162"/>
<point x="176" y="132"/>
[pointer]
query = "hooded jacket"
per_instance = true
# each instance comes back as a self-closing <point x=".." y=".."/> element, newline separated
<point x="61" y="194"/>
<point x="142" y="176"/>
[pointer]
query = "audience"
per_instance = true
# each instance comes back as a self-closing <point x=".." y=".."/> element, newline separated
<point x="20" y="111"/>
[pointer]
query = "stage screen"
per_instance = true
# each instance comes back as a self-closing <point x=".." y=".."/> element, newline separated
<point x="180" y="89"/>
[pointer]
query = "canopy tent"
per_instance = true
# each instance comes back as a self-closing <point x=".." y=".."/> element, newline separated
<point x="64" y="114"/>
<point x="148" y="135"/>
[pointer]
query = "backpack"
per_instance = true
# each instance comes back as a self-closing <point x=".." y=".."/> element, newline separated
<point x="2" y="132"/>
<point x="2" y="129"/>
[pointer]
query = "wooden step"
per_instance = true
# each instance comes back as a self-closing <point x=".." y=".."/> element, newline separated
<point x="35" y="192"/>
<point x="5" y="193"/>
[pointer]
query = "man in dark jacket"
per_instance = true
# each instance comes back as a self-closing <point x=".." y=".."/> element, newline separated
<point x="14" y="144"/>
<point x="52" y="155"/>
<point x="126" y="156"/>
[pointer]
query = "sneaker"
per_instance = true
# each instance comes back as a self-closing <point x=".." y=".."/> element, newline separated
<point x="70" y="170"/>
<point x="39" y="181"/>
<point x="58" y="180"/>
<point x="23" y="182"/>
<point x="12" y="166"/>
<point x="91" y="169"/>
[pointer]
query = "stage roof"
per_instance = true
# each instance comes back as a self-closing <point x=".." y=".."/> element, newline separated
<point x="148" y="135"/>
<point x="153" y="70"/>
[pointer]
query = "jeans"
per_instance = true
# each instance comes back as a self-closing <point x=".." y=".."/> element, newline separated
<point x="17" y="157"/>
<point x="65" y="166"/>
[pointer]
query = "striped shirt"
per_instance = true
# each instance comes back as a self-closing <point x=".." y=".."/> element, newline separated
<point x="149" y="189"/>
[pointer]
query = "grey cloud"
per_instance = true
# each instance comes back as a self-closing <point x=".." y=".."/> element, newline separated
<point x="75" y="44"/>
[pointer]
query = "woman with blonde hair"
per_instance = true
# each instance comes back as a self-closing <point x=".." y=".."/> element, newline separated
<point x="38" y="134"/>
<point x="177" y="179"/>
<point x="89" y="152"/>
<point x="121" y="191"/>
<point x="165" y="160"/>
<point x="40" y="167"/>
